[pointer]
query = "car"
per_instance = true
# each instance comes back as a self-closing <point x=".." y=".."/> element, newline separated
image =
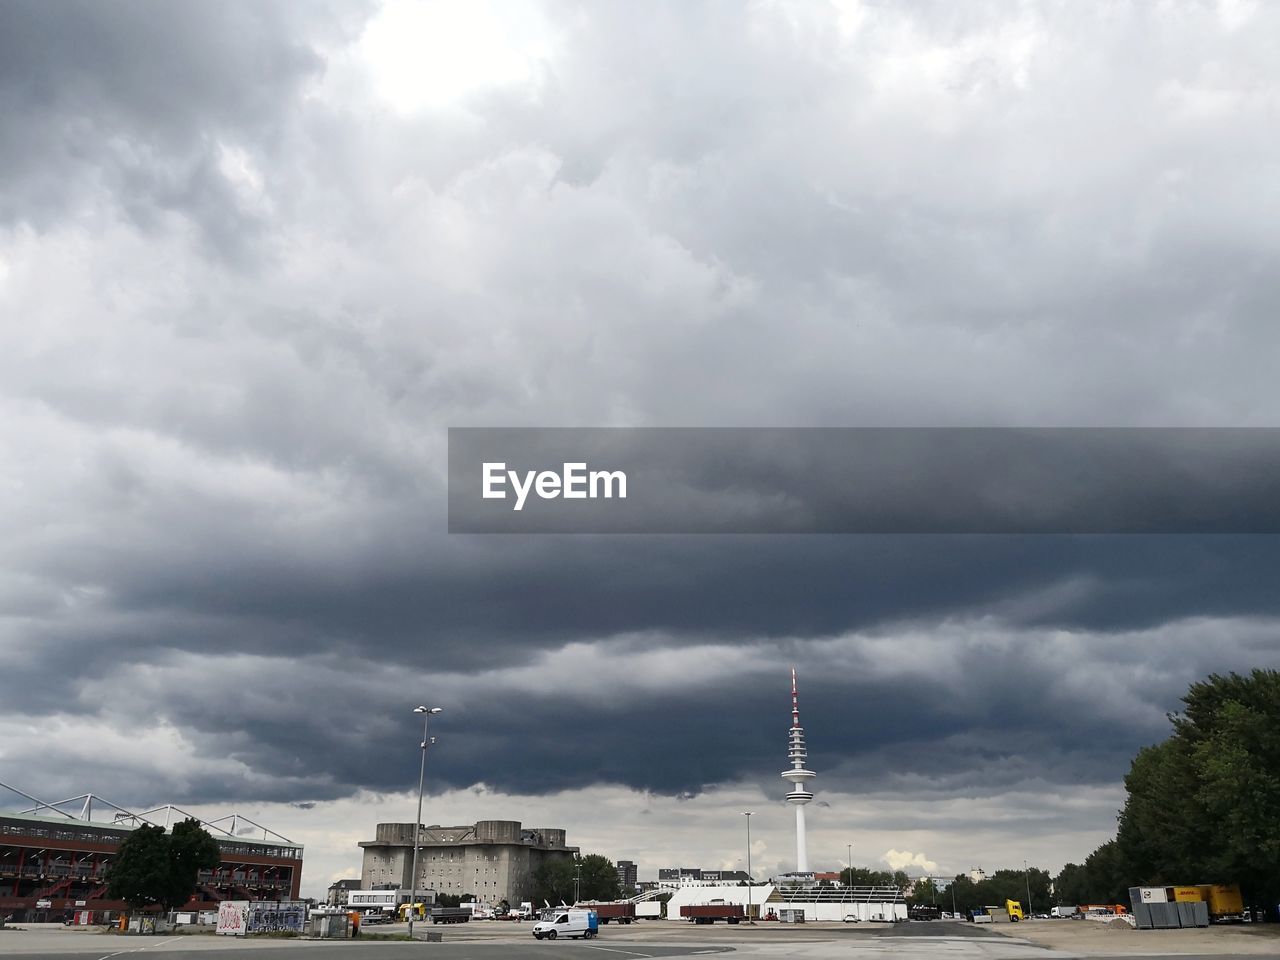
<point x="375" y="916"/>
<point x="852" y="918"/>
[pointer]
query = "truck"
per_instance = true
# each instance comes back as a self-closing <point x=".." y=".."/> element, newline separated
<point x="419" y="911"/>
<point x="449" y="915"/>
<point x="1064" y="912"/>
<point x="1226" y="904"/>
<point x="711" y="912"/>
<point x="619" y="911"/>
<point x="1014" y="909"/>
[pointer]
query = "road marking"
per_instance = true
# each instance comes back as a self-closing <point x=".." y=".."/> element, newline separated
<point x="148" y="946"/>
<point x="631" y="953"/>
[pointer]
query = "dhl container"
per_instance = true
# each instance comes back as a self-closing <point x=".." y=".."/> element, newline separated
<point x="1187" y="895"/>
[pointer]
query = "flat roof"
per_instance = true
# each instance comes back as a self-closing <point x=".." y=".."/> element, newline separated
<point x="70" y="822"/>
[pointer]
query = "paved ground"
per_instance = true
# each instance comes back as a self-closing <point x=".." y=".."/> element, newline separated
<point x="1046" y="940"/>
<point x="1086" y="938"/>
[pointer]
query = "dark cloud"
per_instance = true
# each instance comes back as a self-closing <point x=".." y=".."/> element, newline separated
<point x="137" y="103"/>
<point x="253" y="295"/>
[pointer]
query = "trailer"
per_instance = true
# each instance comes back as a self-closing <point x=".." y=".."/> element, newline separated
<point x="1226" y="904"/>
<point x="649" y="910"/>
<point x="449" y="915"/>
<point x="619" y="911"/>
<point x="711" y="912"/>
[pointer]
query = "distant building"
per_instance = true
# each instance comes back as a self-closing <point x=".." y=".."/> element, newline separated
<point x="627" y="871"/>
<point x="338" y="892"/>
<point x="492" y="860"/>
<point x="818" y="903"/>
<point x="53" y="862"/>
<point x="977" y="875"/>
<point x="697" y="877"/>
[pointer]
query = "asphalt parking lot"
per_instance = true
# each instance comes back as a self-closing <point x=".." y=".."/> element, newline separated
<point x="1047" y="940"/>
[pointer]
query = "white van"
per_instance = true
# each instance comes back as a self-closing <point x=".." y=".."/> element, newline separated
<point x="567" y="923"/>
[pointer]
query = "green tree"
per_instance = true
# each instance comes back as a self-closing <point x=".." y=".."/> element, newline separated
<point x="925" y="891"/>
<point x="553" y="881"/>
<point x="599" y="878"/>
<point x="191" y="849"/>
<point x="1071" y="886"/>
<point x="153" y="868"/>
<point x="866" y="877"/>
<point x="1204" y="805"/>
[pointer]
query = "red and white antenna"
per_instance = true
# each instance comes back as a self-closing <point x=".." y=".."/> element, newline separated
<point x="798" y="777"/>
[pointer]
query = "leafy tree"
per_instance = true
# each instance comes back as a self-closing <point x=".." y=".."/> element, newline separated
<point x="599" y="878"/>
<point x="866" y="877"/>
<point x="1071" y="886"/>
<point x="448" y="900"/>
<point x="925" y="891"/>
<point x="1204" y="805"/>
<point x="191" y="849"/>
<point x="553" y="881"/>
<point x="1108" y="874"/>
<point x="153" y="868"/>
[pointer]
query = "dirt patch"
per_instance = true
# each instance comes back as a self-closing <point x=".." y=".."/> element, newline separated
<point x="1117" y="938"/>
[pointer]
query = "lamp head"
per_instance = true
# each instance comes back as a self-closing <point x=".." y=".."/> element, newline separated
<point x="431" y="710"/>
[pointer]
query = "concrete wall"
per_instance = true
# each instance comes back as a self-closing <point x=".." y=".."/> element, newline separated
<point x="494" y="863"/>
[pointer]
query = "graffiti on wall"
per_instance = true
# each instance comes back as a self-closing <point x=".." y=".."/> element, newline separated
<point x="239" y="917"/>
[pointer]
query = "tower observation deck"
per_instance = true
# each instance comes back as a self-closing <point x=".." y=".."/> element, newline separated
<point x="798" y="777"/>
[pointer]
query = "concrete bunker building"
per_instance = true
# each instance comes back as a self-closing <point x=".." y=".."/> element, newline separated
<point x="492" y="860"/>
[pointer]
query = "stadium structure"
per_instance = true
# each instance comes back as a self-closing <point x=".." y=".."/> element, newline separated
<point x="54" y="858"/>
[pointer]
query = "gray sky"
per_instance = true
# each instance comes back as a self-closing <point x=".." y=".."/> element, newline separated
<point x="255" y="258"/>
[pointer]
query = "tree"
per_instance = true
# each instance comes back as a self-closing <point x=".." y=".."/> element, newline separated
<point x="865" y="877"/>
<point x="553" y="881"/>
<point x="925" y="891"/>
<point x="153" y="868"/>
<point x="1071" y="886"/>
<point x="599" y="878"/>
<point x="1204" y="805"/>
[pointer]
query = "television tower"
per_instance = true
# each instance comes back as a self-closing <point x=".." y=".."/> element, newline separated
<point x="798" y="776"/>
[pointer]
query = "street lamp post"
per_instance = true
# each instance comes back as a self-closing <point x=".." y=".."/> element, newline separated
<point x="750" y="878"/>
<point x="1026" y="873"/>
<point x="577" y="882"/>
<point x="427" y="713"/>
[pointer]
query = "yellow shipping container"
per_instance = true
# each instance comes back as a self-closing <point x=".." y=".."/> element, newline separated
<point x="1187" y="895"/>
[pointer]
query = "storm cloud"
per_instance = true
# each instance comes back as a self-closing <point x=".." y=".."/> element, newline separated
<point x="255" y="259"/>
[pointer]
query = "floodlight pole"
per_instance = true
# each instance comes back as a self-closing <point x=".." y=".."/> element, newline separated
<point x="750" y="878"/>
<point x="427" y="713"/>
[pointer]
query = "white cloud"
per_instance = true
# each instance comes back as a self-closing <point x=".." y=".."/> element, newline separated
<point x="908" y="861"/>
